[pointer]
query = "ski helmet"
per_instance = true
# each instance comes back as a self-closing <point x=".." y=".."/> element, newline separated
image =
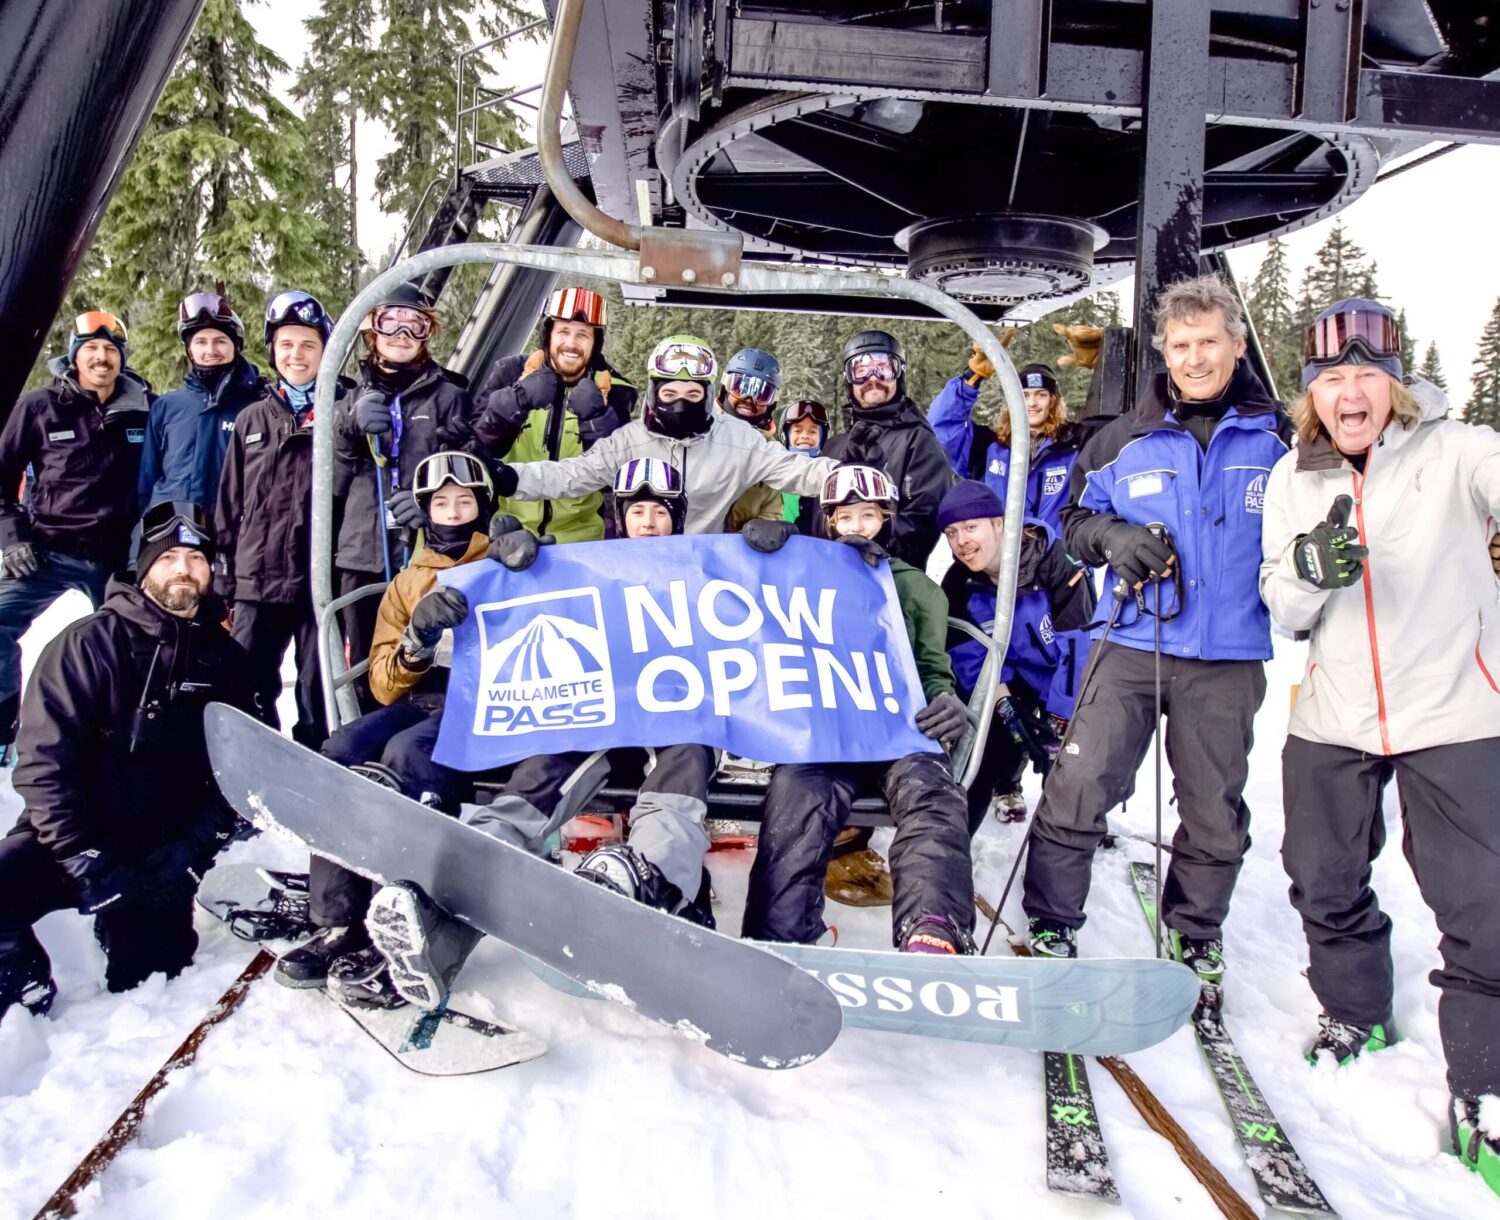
<point x="649" y="479"/>
<point x="804" y="408"/>
<point x="878" y="352"/>
<point x="294" y="308"/>
<point x="857" y="484"/>
<point x="404" y="308"/>
<point x="680" y="358"/>
<point x="209" y="311"/>
<point x="576" y="305"/>
<point x="460" y="469"/>
<point x="752" y="379"/>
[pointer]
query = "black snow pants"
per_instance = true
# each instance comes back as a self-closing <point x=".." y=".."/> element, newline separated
<point x="1335" y="827"/>
<point x="1004" y="762"/>
<point x="1210" y="711"/>
<point x="806" y="807"/>
<point x="139" y="937"/>
<point x="265" y="630"/>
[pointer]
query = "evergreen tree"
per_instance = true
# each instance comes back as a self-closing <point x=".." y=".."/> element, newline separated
<point x="1339" y="269"/>
<point x="1432" y="368"/>
<point x="1408" y="343"/>
<point x="1484" y="397"/>
<point x="1269" y="300"/>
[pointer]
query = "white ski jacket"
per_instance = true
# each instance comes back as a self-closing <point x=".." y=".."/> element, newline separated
<point x="716" y="468"/>
<point x="1409" y="657"/>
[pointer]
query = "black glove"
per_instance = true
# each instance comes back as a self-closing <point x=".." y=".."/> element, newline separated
<point x="512" y="544"/>
<point x="439" y="610"/>
<point x="870" y="550"/>
<point x="587" y="400"/>
<point x="538" y="389"/>
<point x="372" y="413"/>
<point x="19" y="561"/>
<point x="864" y="443"/>
<point x="173" y="871"/>
<point x="506" y="478"/>
<point x="1136" y="554"/>
<point x="944" y="719"/>
<point x="1023" y="733"/>
<point x="1330" y="555"/>
<point x="767" y="536"/>
<point x="98" y="880"/>
<point x="404" y="510"/>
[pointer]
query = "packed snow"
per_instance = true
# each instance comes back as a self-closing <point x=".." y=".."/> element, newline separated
<point x="291" y="1111"/>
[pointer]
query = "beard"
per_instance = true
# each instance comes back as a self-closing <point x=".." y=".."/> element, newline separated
<point x="180" y="597"/>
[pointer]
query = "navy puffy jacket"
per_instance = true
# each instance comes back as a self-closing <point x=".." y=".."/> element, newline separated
<point x="187" y="436"/>
<point x="1145" y="468"/>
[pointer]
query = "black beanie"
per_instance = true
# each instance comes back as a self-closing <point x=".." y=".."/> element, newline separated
<point x="182" y="533"/>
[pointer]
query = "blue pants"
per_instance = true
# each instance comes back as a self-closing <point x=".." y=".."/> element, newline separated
<point x="22" y="602"/>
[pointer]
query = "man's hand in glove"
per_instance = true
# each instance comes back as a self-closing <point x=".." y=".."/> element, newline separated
<point x="767" y="536"/>
<point x="1136" y="554"/>
<point x="871" y="551"/>
<point x="944" y="719"/>
<point x="538" y="389"/>
<point x="513" y="544"/>
<point x="980" y="368"/>
<point x="405" y="511"/>
<point x="438" y="610"/>
<point x="98" y="881"/>
<point x="586" y="399"/>
<point x="372" y="413"/>
<point x="19" y="561"/>
<point x="1330" y="555"/>
<point x="1085" y="342"/>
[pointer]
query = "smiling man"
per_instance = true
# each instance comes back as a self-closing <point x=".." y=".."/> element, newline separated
<point x="1171" y="497"/>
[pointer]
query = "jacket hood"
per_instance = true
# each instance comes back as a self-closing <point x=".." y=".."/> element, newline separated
<point x="130" y="602"/>
<point x="1320" y="454"/>
<point x="428" y="557"/>
<point x="1245" y="394"/>
<point x="242" y="376"/>
<point x="132" y="391"/>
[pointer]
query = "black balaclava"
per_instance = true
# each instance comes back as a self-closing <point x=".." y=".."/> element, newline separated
<point x="453" y="540"/>
<point x="678" y="420"/>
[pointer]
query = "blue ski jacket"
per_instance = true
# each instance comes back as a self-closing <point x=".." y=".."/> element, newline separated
<point x="1149" y="467"/>
<point x="188" y="433"/>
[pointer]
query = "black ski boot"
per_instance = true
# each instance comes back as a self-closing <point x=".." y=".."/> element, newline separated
<point x="1344" y="1042"/>
<point x="26" y="979"/>
<point x="424" y="945"/>
<point x="1205" y="958"/>
<point x="363" y="980"/>
<point x="1048" y="938"/>
<point x="701" y="910"/>
<point x="1475" y="1147"/>
<point x="621" y="868"/>
<point x="308" y="964"/>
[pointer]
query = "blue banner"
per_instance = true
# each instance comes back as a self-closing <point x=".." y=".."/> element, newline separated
<point x="800" y="656"/>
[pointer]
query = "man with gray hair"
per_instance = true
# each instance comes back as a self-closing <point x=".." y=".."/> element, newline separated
<point x="1170" y="497"/>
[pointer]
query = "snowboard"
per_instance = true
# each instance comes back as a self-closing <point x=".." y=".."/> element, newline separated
<point x="735" y="998"/>
<point x="256" y="903"/>
<point x="445" y="1042"/>
<point x="1086" y="1006"/>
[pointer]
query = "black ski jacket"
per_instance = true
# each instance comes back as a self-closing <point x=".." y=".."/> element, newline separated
<point x="898" y="439"/>
<point x="85" y="459"/>
<point x="436" y="414"/>
<point x="111" y="752"/>
<point x="263" y="517"/>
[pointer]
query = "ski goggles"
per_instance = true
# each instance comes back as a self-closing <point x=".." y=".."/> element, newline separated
<point x="209" y="307"/>
<point x="297" y="309"/>
<point x="878" y="366"/>
<point x="88" y="325"/>
<point x="464" y="469"/>
<point x="806" y="408"/>
<point x="176" y="516"/>
<point x="1365" y="322"/>
<point x="577" y="305"/>
<point x="392" y="320"/>
<point x="748" y="388"/>
<point x="648" y="476"/>
<point x="689" y="360"/>
<point x="857" y="485"/>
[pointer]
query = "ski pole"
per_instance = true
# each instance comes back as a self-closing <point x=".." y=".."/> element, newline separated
<point x="382" y="539"/>
<point x="1120" y="593"/>
<point x="1161" y="533"/>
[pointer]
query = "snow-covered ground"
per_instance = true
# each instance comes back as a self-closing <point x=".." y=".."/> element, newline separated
<point x="291" y="1111"/>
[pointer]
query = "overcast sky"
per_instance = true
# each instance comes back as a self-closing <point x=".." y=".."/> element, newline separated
<point x="1431" y="230"/>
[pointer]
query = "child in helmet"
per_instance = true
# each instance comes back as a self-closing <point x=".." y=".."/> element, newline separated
<point x="661" y="864"/>
<point x="393" y="744"/>
<point x="808" y="804"/>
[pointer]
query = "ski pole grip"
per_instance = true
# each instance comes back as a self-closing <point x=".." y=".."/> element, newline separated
<point x="1339" y="513"/>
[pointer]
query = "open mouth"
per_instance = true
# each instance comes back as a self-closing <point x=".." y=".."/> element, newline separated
<point x="1353" y="420"/>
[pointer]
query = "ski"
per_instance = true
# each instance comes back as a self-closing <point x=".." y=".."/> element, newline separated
<point x="1280" y="1175"/>
<point x="1077" y="1158"/>
<point x="732" y="997"/>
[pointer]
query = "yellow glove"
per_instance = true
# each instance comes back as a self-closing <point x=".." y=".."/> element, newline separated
<point x="980" y="368"/>
<point x="602" y="380"/>
<point x="1085" y="342"/>
<point x="534" y="361"/>
<point x="1495" y="554"/>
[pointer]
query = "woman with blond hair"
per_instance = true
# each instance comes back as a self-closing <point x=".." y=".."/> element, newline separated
<point x="1401" y="681"/>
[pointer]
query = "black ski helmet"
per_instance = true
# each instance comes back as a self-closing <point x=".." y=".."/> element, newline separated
<point x="873" y="342"/>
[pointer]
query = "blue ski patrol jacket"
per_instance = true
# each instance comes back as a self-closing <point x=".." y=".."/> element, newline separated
<point x="1054" y="598"/>
<point x="188" y="433"/>
<point x="1052" y="458"/>
<point x="1149" y="467"/>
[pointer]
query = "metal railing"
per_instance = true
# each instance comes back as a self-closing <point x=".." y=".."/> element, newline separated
<point x="491" y="100"/>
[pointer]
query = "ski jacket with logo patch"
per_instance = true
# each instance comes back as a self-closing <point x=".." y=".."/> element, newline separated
<point x="1146" y="468"/>
<point x="187" y="436"/>
<point x="1407" y="658"/>
<point x="85" y="460"/>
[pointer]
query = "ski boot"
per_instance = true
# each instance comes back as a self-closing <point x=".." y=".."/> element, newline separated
<point x="1205" y="958"/>
<point x="308" y="964"/>
<point x="933" y="934"/>
<point x="1474" y="1146"/>
<point x="27" y="982"/>
<point x="701" y="910"/>
<point x="1009" y="807"/>
<point x="1344" y="1042"/>
<point x="1047" y="938"/>
<point x="363" y="980"/>
<point x="619" y="867"/>
<point x="424" y="945"/>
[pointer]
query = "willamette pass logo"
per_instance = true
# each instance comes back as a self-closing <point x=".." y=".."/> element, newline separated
<point x="1255" y="495"/>
<point x="544" y="664"/>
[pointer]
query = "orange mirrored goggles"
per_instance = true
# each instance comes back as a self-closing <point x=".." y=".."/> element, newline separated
<point x="577" y="305"/>
<point x="91" y="323"/>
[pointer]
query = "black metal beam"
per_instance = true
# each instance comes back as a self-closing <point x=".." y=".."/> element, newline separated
<point x="1328" y="67"/>
<point x="1169" y="221"/>
<point x="1020" y="37"/>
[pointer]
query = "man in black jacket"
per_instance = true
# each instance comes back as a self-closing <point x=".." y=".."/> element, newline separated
<point x="81" y="436"/>
<point x="891" y="433"/>
<point x="122" y="814"/>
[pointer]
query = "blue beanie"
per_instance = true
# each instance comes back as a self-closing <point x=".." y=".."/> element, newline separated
<point x="78" y="341"/>
<point x="966" y="501"/>
<point x="1355" y="351"/>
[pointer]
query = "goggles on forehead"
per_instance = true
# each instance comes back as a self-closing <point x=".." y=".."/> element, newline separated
<point x="296" y="307"/>
<point x="750" y="388"/>
<point x="1329" y="337"/>
<point x="162" y="520"/>
<point x="857" y="484"/>
<point x="390" y="320"/>
<point x="689" y="360"/>
<point x="205" y="307"/>
<point x="87" y="325"/>
<point x="879" y="366"/>
<point x="567" y="304"/>
<point x="806" y="408"/>
<point x="464" y="469"/>
<point x="648" y="475"/>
